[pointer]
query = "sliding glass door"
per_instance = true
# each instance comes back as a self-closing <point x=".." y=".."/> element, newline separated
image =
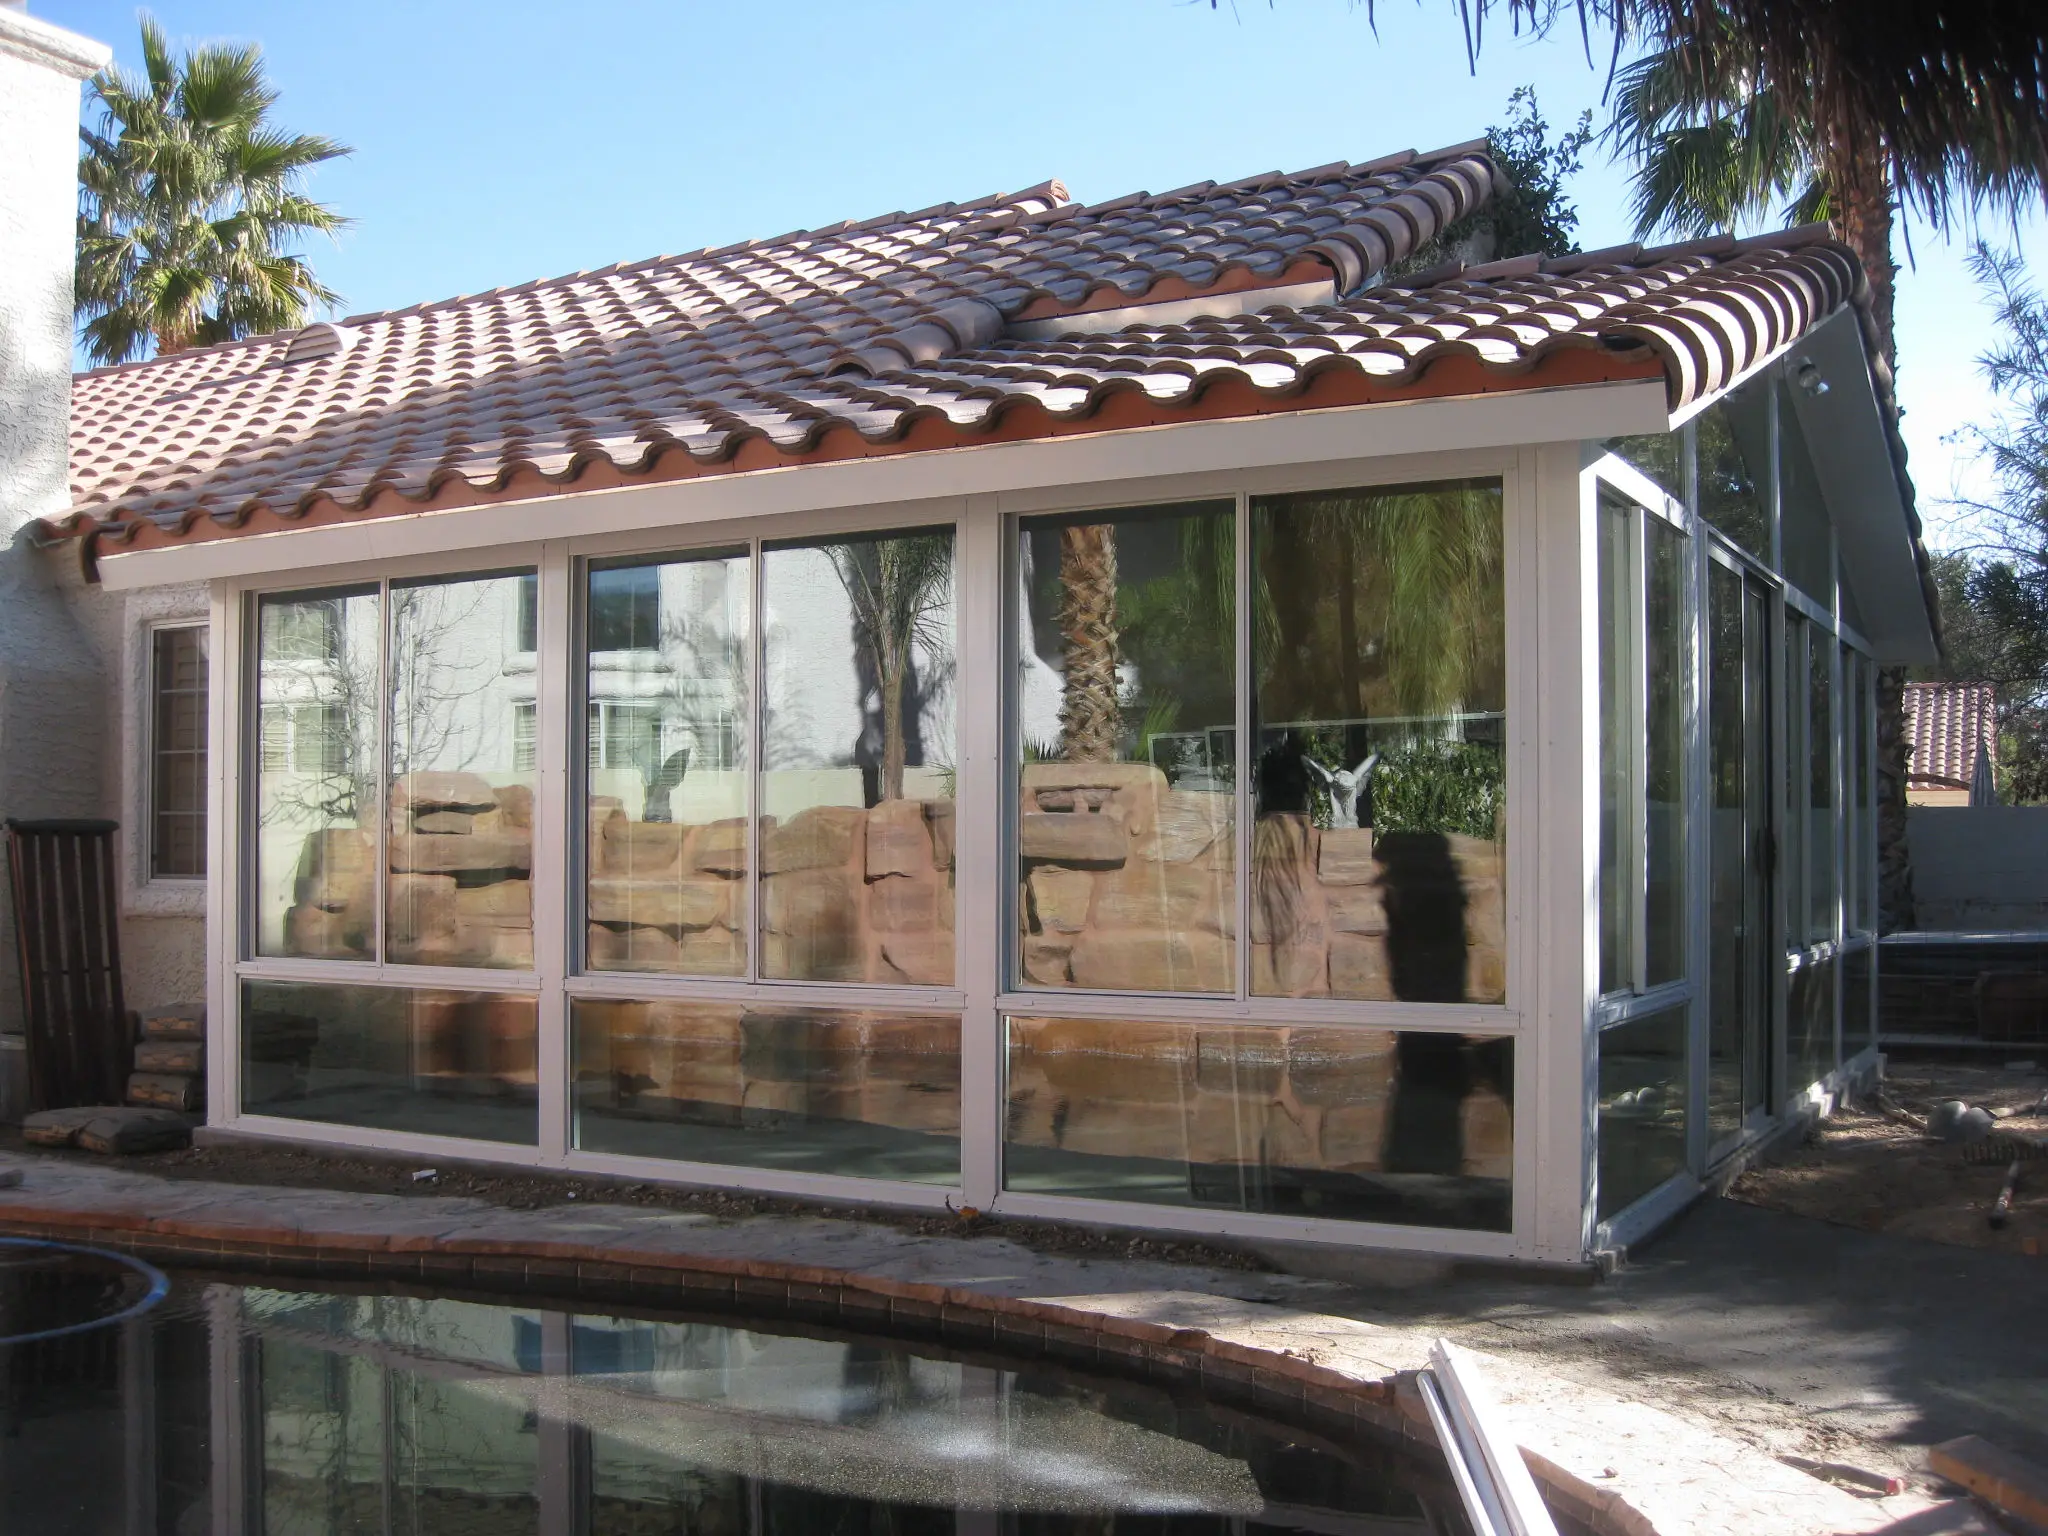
<point x="1742" y="847"/>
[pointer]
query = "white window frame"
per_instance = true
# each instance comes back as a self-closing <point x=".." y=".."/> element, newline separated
<point x="144" y="894"/>
<point x="1547" y="1202"/>
<point x="1635" y="999"/>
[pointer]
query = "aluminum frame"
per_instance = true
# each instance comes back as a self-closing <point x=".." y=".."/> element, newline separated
<point x="1546" y="894"/>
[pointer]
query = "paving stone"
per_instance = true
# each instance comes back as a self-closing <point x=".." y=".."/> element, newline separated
<point x="133" y="1128"/>
<point x="58" y="1127"/>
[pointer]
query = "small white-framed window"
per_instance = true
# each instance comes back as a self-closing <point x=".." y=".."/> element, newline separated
<point x="177" y="752"/>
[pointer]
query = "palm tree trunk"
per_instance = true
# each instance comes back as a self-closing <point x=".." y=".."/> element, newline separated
<point x="1860" y="201"/>
<point x="892" y="719"/>
<point x="1091" y="720"/>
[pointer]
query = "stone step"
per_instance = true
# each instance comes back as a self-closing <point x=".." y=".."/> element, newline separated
<point x="184" y="1021"/>
<point x="182" y="1057"/>
<point x="108" y="1128"/>
<point x="166" y="1090"/>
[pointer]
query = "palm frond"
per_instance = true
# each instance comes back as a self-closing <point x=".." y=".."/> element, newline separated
<point x="189" y="202"/>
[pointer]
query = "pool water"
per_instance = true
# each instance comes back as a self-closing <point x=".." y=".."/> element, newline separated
<point x="261" y="1410"/>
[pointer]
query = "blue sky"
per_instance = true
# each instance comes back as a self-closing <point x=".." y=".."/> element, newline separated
<point x="500" y="143"/>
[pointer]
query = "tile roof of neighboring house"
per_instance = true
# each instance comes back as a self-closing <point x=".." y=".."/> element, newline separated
<point x="911" y="332"/>
<point x="1944" y="723"/>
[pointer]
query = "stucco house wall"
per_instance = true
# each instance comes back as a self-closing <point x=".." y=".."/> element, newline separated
<point x="52" y="689"/>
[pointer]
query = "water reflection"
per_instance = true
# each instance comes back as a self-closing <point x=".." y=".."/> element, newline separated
<point x="295" y="1413"/>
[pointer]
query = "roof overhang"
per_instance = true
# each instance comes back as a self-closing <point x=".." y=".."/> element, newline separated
<point x="1846" y="435"/>
<point x="1444" y="423"/>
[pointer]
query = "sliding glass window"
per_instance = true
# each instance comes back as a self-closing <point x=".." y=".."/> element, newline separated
<point x="1644" y="569"/>
<point x="1376" y="754"/>
<point x="392" y="822"/>
<point x="1644" y="566"/>
<point x="769" y="786"/>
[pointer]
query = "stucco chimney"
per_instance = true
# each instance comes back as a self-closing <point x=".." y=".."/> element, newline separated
<point x="52" y="687"/>
<point x="40" y="70"/>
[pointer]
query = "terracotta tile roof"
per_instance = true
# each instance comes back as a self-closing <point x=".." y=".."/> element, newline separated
<point x="1944" y="723"/>
<point x="910" y="332"/>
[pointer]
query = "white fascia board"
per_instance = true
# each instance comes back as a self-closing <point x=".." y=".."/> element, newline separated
<point x="1851" y="451"/>
<point x="1509" y="419"/>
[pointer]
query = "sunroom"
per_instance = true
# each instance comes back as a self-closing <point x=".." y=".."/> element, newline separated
<point x="1424" y="807"/>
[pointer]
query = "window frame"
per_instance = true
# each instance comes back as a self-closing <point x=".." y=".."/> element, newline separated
<point x="1645" y="499"/>
<point x="983" y="525"/>
<point x="146" y="841"/>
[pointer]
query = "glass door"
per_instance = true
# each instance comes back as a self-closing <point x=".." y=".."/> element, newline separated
<point x="1743" y="847"/>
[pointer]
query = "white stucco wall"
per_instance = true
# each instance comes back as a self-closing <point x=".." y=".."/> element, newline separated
<point x="52" y="689"/>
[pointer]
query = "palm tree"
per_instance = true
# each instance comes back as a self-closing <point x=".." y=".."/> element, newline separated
<point x="1091" y="715"/>
<point x="1719" y="141"/>
<point x="188" y="201"/>
<point x="899" y="588"/>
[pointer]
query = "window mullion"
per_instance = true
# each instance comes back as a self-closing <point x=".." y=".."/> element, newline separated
<point x="380" y="755"/>
<point x="1636" y="843"/>
<point x="1242" y="757"/>
<point x="757" y="708"/>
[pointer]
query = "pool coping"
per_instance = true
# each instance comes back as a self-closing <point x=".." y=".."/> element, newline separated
<point x="1680" y="1480"/>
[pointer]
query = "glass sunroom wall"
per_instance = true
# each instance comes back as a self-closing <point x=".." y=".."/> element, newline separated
<point x="1643" y="1089"/>
<point x="1362" y="650"/>
<point x="1732" y="448"/>
<point x="799" y="831"/>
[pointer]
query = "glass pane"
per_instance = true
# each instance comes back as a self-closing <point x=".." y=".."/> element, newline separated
<point x="1820" y="821"/>
<point x="1127" y="714"/>
<point x="1659" y="455"/>
<point x="1810" y="1024"/>
<point x="1345" y="1123"/>
<point x="1733" y="442"/>
<point x="461" y="838"/>
<point x="1734" y="956"/>
<point x="868" y="1093"/>
<point x="1805" y="546"/>
<point x="177" y="804"/>
<point x="1859" y="1019"/>
<point x="1797" y="768"/>
<point x="666" y="765"/>
<point x="1642" y="1107"/>
<point x="1667" y="671"/>
<point x="1862" y="718"/>
<point x="1380" y="726"/>
<point x="1618" y="682"/>
<point x="391" y="1058"/>
<point x="857" y="764"/>
<point x="317" y="772"/>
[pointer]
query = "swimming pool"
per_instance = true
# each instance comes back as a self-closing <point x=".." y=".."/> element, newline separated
<point x="248" y="1407"/>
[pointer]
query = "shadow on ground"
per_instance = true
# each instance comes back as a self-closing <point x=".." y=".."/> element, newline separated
<point x="1848" y="1335"/>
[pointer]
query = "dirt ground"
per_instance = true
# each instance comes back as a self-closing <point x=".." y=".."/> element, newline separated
<point x="1863" y="1169"/>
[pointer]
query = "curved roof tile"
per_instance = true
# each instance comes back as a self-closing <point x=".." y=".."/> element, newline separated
<point x="889" y="335"/>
